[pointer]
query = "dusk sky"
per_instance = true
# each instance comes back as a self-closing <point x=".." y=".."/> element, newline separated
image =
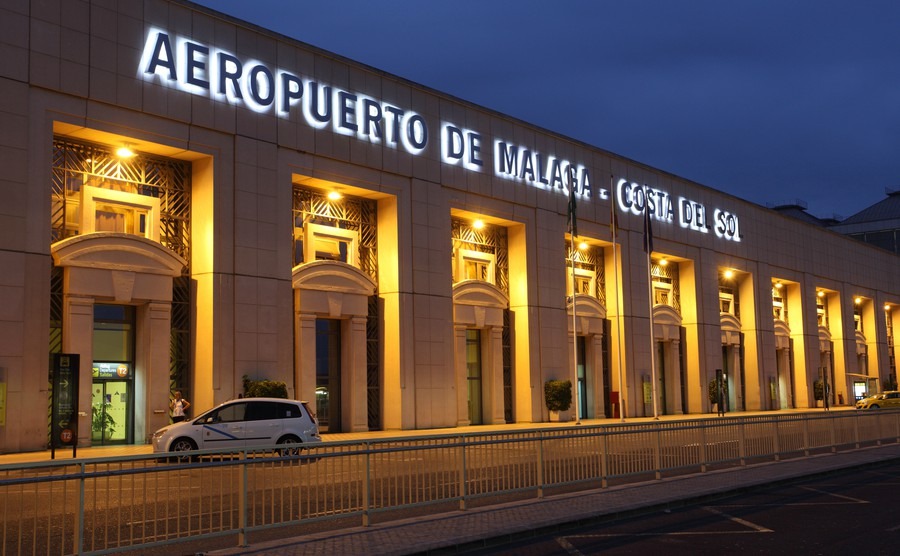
<point x="769" y="100"/>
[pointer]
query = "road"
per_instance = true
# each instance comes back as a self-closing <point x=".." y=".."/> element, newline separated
<point x="853" y="512"/>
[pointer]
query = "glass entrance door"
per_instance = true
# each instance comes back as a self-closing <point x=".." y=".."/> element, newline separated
<point x="109" y="411"/>
<point x="473" y="375"/>
<point x="112" y="398"/>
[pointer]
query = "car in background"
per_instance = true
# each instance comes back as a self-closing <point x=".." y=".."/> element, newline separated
<point x="883" y="400"/>
<point x="240" y="424"/>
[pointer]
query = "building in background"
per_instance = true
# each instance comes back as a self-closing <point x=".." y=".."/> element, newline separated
<point x="189" y="199"/>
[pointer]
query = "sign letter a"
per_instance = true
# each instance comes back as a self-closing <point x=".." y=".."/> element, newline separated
<point x="162" y="56"/>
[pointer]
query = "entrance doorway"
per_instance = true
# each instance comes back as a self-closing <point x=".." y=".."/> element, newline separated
<point x="112" y="395"/>
<point x="582" y="390"/>
<point x="473" y="375"/>
<point x="328" y="374"/>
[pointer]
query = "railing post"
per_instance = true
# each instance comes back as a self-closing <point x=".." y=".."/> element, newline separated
<point x="540" y="466"/>
<point x="604" y="460"/>
<point x="463" y="489"/>
<point x="703" y="455"/>
<point x="776" y="441"/>
<point x="833" y="443"/>
<point x="366" y="491"/>
<point x="805" y="435"/>
<point x="78" y="541"/>
<point x="242" y="500"/>
<point x="657" y="457"/>
<point x="856" y="432"/>
<point x="741" y="443"/>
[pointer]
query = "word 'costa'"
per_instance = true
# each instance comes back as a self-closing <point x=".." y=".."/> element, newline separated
<point x="692" y="215"/>
<point x="207" y="71"/>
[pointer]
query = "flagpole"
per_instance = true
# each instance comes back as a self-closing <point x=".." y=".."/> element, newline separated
<point x="574" y="330"/>
<point x="573" y="231"/>
<point x="612" y="224"/>
<point x="649" y="248"/>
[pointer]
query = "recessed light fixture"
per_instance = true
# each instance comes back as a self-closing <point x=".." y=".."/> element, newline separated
<point x="583" y="245"/>
<point x="334" y="196"/>
<point x="478" y="224"/>
<point x="887" y="306"/>
<point x="124" y="152"/>
<point x="820" y="293"/>
<point x="857" y="300"/>
<point x="729" y="274"/>
<point x="663" y="262"/>
<point x="778" y="285"/>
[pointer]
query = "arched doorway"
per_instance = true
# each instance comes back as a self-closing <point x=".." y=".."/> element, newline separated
<point x="118" y="287"/>
<point x="478" y="320"/>
<point x="732" y="360"/>
<point x="669" y="372"/>
<point x="331" y="308"/>
<point x="591" y="377"/>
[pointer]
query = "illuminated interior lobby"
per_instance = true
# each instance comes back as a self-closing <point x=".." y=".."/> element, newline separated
<point x="190" y="200"/>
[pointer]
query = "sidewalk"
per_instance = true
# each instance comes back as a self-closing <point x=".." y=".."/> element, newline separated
<point x="462" y="530"/>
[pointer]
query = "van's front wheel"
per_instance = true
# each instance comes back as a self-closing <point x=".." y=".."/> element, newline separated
<point x="183" y="446"/>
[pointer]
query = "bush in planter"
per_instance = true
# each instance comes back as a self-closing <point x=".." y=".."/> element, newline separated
<point x="264" y="388"/>
<point x="819" y="390"/>
<point x="558" y="395"/>
<point x="712" y="392"/>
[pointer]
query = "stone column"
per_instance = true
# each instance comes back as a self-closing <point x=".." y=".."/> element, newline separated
<point x="673" y="393"/>
<point x="152" y="384"/>
<point x="596" y="373"/>
<point x="305" y="357"/>
<point x="462" y="388"/>
<point x="354" y="387"/>
<point x="494" y="414"/>
<point x="78" y="337"/>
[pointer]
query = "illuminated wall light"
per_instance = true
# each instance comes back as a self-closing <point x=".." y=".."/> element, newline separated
<point x="887" y="306"/>
<point x="820" y="293"/>
<point x="729" y="274"/>
<point x="124" y="152"/>
<point x="857" y="300"/>
<point x="334" y="196"/>
<point x="478" y="224"/>
<point x="778" y="285"/>
<point x="583" y="245"/>
<point x="663" y="262"/>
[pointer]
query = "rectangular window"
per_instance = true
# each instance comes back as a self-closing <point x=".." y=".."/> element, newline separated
<point x="475" y="265"/>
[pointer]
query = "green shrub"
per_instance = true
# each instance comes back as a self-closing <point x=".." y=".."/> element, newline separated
<point x="264" y="388"/>
<point x="558" y="394"/>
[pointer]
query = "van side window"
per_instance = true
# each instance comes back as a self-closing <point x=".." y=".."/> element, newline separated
<point x="288" y="411"/>
<point x="261" y="411"/>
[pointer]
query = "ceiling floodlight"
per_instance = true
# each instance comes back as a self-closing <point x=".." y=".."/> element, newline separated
<point x="334" y="196"/>
<point x="124" y="152"/>
<point x="820" y="293"/>
<point x="663" y="262"/>
<point x="729" y="274"/>
<point x="478" y="224"/>
<point x="857" y="300"/>
<point x="887" y="306"/>
<point x="583" y="245"/>
<point x="778" y="285"/>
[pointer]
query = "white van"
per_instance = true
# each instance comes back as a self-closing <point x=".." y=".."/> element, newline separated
<point x="239" y="424"/>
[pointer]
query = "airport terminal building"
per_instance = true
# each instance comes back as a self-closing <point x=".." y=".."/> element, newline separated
<point x="189" y="199"/>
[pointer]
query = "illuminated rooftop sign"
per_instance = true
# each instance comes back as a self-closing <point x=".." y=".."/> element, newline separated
<point x="211" y="72"/>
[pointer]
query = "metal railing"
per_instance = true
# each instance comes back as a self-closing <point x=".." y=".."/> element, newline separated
<point x="99" y="506"/>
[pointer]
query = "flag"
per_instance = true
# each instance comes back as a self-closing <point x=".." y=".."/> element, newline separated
<point x="571" y="220"/>
<point x="648" y="228"/>
<point x="613" y="217"/>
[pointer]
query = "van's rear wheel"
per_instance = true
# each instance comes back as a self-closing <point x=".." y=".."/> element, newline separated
<point x="290" y="445"/>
